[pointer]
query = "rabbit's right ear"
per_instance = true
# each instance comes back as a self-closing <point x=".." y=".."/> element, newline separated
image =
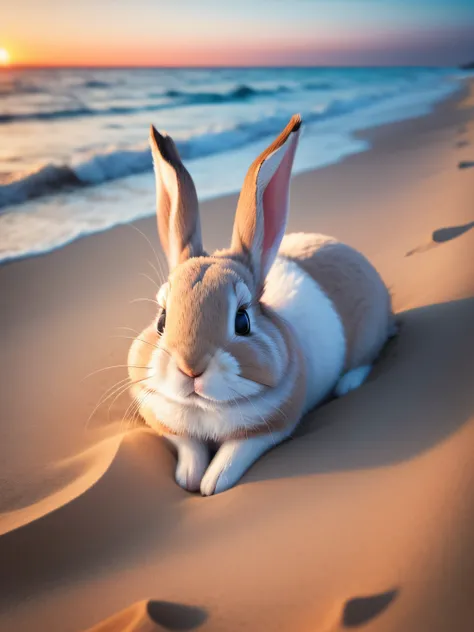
<point x="262" y="210"/>
<point x="177" y="206"/>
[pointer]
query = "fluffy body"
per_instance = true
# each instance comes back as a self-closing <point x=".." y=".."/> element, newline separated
<point x="319" y="315"/>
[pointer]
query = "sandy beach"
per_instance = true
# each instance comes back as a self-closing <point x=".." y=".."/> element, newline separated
<point x="364" y="519"/>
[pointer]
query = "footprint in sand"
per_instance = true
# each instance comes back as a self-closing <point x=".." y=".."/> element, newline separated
<point x="174" y="616"/>
<point x="466" y="164"/>
<point x="154" y="615"/>
<point x="361" y="610"/>
<point x="440" y="236"/>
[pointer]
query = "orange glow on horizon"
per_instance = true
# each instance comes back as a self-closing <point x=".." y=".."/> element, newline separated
<point x="62" y="54"/>
<point x="68" y="48"/>
<point x="4" y="57"/>
<point x="330" y="48"/>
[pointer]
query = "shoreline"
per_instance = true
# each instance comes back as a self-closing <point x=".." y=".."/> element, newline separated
<point x="424" y="122"/>
<point x="371" y="135"/>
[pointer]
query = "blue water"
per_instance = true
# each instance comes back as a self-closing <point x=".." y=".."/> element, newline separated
<point x="74" y="157"/>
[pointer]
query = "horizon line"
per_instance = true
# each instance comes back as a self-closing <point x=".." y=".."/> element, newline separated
<point x="13" y="66"/>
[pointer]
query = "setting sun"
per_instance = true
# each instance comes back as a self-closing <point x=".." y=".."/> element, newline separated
<point x="4" y="57"/>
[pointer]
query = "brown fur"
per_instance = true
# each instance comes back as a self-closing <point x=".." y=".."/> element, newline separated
<point x="197" y="309"/>
<point x="193" y="332"/>
<point x="285" y="416"/>
<point x="197" y="302"/>
<point x="294" y="370"/>
<point x="353" y="285"/>
<point x="179" y="226"/>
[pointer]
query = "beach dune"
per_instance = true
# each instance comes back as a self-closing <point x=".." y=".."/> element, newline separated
<point x="364" y="519"/>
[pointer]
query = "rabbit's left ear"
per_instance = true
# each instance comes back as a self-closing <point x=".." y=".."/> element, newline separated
<point x="262" y="210"/>
<point x="177" y="207"/>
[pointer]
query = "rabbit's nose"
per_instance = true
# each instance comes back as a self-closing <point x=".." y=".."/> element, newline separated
<point x="189" y="372"/>
<point x="192" y="369"/>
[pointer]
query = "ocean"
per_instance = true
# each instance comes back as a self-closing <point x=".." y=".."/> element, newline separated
<point x="74" y="156"/>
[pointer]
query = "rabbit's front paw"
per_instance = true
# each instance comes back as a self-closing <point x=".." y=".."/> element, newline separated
<point x="193" y="459"/>
<point x="232" y="460"/>
<point x="215" y="479"/>
<point x="352" y="380"/>
<point x="225" y="469"/>
<point x="189" y="472"/>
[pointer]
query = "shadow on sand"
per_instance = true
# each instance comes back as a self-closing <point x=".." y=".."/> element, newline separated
<point x="361" y="610"/>
<point x="441" y="236"/>
<point x="419" y="393"/>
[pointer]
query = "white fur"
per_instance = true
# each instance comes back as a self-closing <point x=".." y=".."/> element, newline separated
<point x="193" y="459"/>
<point x="296" y="296"/>
<point x="216" y="421"/>
<point x="234" y="458"/>
<point x="352" y="380"/>
<point x="242" y="294"/>
<point x="206" y="418"/>
<point x="162" y="294"/>
<point x="222" y="382"/>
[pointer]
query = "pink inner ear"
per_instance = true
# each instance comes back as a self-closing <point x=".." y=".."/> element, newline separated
<point x="275" y="202"/>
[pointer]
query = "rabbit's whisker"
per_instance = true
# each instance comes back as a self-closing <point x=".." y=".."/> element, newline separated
<point x="143" y="274"/>
<point x="140" y="232"/>
<point x="123" y="390"/>
<point x="165" y="351"/>
<point x="146" y="300"/>
<point x="140" y="339"/>
<point x="105" y="396"/>
<point x="111" y="390"/>
<point x="114" y="366"/>
<point x="129" y="329"/>
<point x="119" y="387"/>
<point x="146" y="395"/>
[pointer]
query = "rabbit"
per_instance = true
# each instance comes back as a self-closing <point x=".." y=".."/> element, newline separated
<point x="250" y="338"/>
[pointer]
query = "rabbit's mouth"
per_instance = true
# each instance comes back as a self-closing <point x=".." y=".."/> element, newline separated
<point x="191" y="399"/>
<point x="199" y="397"/>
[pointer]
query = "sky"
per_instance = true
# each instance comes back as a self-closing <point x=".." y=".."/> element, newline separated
<point x="237" y="32"/>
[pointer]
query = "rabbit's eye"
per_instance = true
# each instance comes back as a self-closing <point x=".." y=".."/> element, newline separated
<point x="242" y="323"/>
<point x="160" y="325"/>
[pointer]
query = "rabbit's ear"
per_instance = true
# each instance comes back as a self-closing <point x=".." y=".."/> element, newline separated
<point x="262" y="210"/>
<point x="177" y="206"/>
